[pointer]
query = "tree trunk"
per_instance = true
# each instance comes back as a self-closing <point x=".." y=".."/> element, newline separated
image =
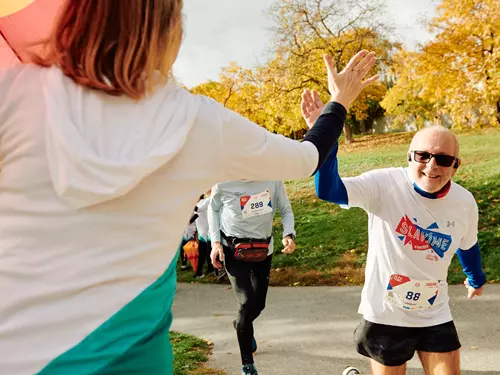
<point x="498" y="111"/>
<point x="348" y="133"/>
<point x="362" y="126"/>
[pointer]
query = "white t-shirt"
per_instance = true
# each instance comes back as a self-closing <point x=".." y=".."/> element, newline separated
<point x="413" y="237"/>
<point x="202" y="220"/>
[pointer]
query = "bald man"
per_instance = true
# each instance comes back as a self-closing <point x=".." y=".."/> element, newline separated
<point x="417" y="220"/>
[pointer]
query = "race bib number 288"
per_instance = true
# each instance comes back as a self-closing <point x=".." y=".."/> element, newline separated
<point x="411" y="294"/>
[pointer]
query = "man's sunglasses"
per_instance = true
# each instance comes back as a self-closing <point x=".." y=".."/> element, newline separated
<point x="441" y="160"/>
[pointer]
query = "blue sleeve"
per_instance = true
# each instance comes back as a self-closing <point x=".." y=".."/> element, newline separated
<point x="471" y="262"/>
<point x="327" y="129"/>
<point x="329" y="185"/>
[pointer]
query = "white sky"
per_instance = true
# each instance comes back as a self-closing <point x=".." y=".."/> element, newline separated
<point x="218" y="32"/>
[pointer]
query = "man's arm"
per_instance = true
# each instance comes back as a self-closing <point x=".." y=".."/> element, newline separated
<point x="213" y="215"/>
<point x="287" y="219"/>
<point x="286" y="212"/>
<point x="472" y="266"/>
<point x="329" y="185"/>
<point x="469" y="255"/>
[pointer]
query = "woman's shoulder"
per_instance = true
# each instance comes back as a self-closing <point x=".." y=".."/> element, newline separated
<point x="11" y="75"/>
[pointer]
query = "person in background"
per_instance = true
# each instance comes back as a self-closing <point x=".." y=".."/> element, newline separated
<point x="188" y="235"/>
<point x="241" y="217"/>
<point x="204" y="244"/>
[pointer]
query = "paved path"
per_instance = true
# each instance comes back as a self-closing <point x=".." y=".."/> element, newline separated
<point x="308" y="330"/>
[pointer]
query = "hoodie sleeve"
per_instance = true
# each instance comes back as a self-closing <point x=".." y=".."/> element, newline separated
<point x="251" y="152"/>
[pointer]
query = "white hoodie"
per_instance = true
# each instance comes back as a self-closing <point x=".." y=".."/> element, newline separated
<point x="95" y="192"/>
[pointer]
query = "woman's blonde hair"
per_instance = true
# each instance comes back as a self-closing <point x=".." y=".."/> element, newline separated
<point x="116" y="46"/>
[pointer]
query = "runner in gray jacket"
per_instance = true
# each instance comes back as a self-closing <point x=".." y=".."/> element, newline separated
<point x="241" y="221"/>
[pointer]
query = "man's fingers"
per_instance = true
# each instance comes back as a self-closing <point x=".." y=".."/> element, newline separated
<point x="470" y="294"/>
<point x="474" y="292"/>
<point x="316" y="99"/>
<point x="304" y="107"/>
<point x="306" y="102"/>
<point x="330" y="67"/>
<point x="371" y="63"/>
<point x="213" y="258"/>
<point x="356" y="59"/>
<point x="370" y="81"/>
<point x="364" y="62"/>
<point x="306" y="95"/>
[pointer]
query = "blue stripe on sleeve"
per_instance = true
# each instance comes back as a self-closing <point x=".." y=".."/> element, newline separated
<point x="471" y="261"/>
<point x="329" y="185"/>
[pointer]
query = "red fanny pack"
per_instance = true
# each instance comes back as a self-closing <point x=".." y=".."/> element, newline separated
<point x="250" y="250"/>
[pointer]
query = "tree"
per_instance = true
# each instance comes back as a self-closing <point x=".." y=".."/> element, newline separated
<point x="404" y="100"/>
<point x="304" y="31"/>
<point x="457" y="72"/>
<point x="236" y="90"/>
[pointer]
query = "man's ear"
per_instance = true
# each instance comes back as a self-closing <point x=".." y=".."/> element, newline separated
<point x="409" y="157"/>
<point x="457" y="164"/>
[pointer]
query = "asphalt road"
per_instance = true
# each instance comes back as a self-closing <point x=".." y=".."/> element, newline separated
<point x="308" y="330"/>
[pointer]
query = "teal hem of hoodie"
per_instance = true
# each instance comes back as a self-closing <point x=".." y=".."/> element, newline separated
<point x="134" y="341"/>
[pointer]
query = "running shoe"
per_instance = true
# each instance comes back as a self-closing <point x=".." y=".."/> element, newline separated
<point x="351" y="371"/>
<point x="249" y="370"/>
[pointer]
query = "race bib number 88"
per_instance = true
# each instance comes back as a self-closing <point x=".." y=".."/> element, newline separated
<point x="256" y="205"/>
<point x="411" y="294"/>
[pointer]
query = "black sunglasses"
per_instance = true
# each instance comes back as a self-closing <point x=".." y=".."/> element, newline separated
<point x="441" y="160"/>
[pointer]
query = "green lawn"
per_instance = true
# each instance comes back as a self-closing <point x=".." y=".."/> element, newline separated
<point x="190" y="355"/>
<point x="332" y="242"/>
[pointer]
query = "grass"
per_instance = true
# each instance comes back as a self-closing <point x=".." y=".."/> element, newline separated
<point x="190" y="355"/>
<point x="332" y="242"/>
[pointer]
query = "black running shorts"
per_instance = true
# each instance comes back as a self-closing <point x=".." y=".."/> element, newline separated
<point x="394" y="346"/>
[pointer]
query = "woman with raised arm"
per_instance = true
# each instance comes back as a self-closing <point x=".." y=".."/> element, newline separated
<point x="103" y="159"/>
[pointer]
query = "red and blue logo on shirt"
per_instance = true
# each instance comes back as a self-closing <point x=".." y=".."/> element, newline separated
<point x="422" y="239"/>
<point x="244" y="200"/>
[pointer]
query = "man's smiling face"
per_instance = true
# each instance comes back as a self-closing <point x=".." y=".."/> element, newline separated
<point x="431" y="177"/>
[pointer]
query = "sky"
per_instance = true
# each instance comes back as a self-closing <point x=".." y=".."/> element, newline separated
<point x="218" y="32"/>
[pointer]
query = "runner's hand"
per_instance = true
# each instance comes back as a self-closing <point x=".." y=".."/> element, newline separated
<point x="472" y="292"/>
<point x="344" y="87"/>
<point x="289" y="245"/>
<point x="217" y="255"/>
<point x="311" y="106"/>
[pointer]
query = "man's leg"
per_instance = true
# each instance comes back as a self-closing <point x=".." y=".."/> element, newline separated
<point x="240" y="274"/>
<point x="210" y="267"/>
<point x="183" y="255"/>
<point x="380" y="369"/>
<point x="260" y="283"/>
<point x="389" y="347"/>
<point x="441" y="363"/>
<point x="202" y="255"/>
<point x="438" y="349"/>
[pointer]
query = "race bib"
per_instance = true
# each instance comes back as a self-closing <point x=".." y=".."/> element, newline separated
<point x="411" y="294"/>
<point x="256" y="205"/>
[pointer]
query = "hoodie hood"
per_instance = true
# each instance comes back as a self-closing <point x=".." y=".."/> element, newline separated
<point x="99" y="147"/>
